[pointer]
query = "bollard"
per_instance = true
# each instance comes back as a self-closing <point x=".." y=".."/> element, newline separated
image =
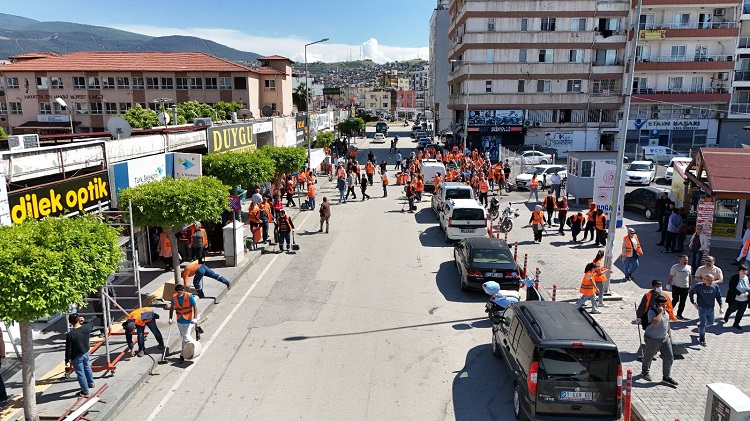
<point x="626" y="412"/>
<point x="506" y="237"/>
<point x="525" y="262"/>
<point x="554" y="292"/>
<point x="490" y="229"/>
<point x="536" y="279"/>
<point x="515" y="253"/>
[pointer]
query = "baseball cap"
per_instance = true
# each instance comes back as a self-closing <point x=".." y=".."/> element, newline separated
<point x="631" y="230"/>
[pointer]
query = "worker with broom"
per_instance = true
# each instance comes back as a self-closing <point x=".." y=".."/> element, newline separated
<point x="184" y="304"/>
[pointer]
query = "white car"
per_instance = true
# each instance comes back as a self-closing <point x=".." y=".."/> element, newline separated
<point x="543" y="172"/>
<point x="670" y="168"/>
<point x="379" y="138"/>
<point x="463" y="218"/>
<point x="448" y="190"/>
<point x="640" y="172"/>
<point x="533" y="158"/>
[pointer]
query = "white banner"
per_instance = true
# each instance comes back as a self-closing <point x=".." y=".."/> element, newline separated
<point x="680" y="124"/>
<point x="604" y="187"/>
<point x="143" y="170"/>
<point x="4" y="205"/>
<point x="187" y="165"/>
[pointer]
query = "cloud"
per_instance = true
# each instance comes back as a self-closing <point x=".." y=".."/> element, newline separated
<point x="290" y="46"/>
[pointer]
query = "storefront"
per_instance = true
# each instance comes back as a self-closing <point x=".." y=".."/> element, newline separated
<point x="564" y="140"/>
<point x="489" y="130"/>
<point x="681" y="135"/>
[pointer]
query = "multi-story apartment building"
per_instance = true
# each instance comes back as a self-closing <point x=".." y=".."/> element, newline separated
<point x="406" y="104"/>
<point x="418" y="84"/>
<point x="732" y="133"/>
<point x="437" y="76"/>
<point x="370" y="99"/>
<point x="95" y="85"/>
<point x="393" y="79"/>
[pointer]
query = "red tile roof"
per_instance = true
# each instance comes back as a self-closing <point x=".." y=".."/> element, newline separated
<point x="722" y="170"/>
<point x="128" y="62"/>
<point x="27" y="56"/>
<point x="274" y="57"/>
<point x="268" y="70"/>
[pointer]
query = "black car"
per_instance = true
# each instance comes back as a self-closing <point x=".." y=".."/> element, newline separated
<point x="643" y="200"/>
<point x="564" y="363"/>
<point x="482" y="259"/>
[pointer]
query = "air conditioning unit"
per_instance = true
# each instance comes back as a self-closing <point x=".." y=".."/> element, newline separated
<point x="23" y="141"/>
<point x="527" y="123"/>
<point x="722" y="76"/>
<point x="721" y="114"/>
<point x="654" y="108"/>
<point x="654" y="115"/>
<point x="720" y="12"/>
<point x="203" y="122"/>
<point x="537" y="124"/>
<point x="687" y="111"/>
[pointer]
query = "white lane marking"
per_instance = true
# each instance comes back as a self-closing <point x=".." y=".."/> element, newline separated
<point x="187" y="371"/>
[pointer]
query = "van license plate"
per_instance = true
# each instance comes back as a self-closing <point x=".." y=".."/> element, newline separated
<point x="467" y="230"/>
<point x="579" y="396"/>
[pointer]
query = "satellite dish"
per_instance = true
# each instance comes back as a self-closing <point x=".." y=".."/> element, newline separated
<point x="267" y="111"/>
<point x="245" y="114"/>
<point x="163" y="118"/>
<point x="118" y="128"/>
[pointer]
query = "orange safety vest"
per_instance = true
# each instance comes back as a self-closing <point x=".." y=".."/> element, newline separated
<point x="591" y="214"/>
<point x="484" y="186"/>
<point x="538" y="217"/>
<point x="384" y="179"/>
<point x="254" y="215"/>
<point x="436" y="182"/>
<point x="369" y="168"/>
<point x="534" y="183"/>
<point x="340" y="173"/>
<point x="141" y="316"/>
<point x="205" y="237"/>
<point x="598" y="273"/>
<point x="669" y="308"/>
<point x="745" y="248"/>
<point x="419" y="185"/>
<point x="627" y="243"/>
<point x="588" y="287"/>
<point x="600" y="221"/>
<point x="311" y="191"/>
<point x="186" y="309"/>
<point x="166" y="246"/>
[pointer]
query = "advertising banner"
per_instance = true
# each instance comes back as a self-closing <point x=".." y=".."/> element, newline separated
<point x="495" y="118"/>
<point x="4" y="206"/>
<point x="604" y="187"/>
<point x="705" y="217"/>
<point x="65" y="197"/>
<point x="139" y="171"/>
<point x="188" y="165"/>
<point x="652" y="34"/>
<point x="301" y="129"/>
<point x="234" y="137"/>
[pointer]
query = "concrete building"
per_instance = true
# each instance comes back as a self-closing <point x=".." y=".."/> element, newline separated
<point x="97" y="84"/>
<point x="370" y="99"/>
<point x="731" y="132"/>
<point x="393" y="79"/>
<point x="406" y="104"/>
<point x="437" y="75"/>
<point x="418" y="84"/>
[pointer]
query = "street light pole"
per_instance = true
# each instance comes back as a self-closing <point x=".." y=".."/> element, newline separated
<point x="307" y="102"/>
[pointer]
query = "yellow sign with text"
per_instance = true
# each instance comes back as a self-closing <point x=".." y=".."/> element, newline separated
<point x="652" y="34"/>
<point x="237" y="138"/>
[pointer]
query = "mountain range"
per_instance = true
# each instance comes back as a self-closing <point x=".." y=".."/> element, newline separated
<point x="19" y="35"/>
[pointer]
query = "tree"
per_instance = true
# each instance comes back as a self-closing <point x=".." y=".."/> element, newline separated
<point x="286" y="160"/>
<point x="224" y="110"/>
<point x="301" y="97"/>
<point x="324" y="139"/>
<point x="351" y="125"/>
<point x="141" y="118"/>
<point x="3" y="135"/>
<point x="190" y="110"/>
<point x="171" y="204"/>
<point x="239" y="168"/>
<point x="45" y="266"/>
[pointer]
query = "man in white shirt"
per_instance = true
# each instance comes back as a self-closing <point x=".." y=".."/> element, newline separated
<point x="257" y="197"/>
<point x="698" y="246"/>
<point x="555" y="183"/>
<point x="679" y="279"/>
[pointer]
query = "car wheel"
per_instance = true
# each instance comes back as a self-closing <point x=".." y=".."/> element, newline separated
<point x="543" y="162"/>
<point x="649" y="214"/>
<point x="447" y="240"/>
<point x="517" y="410"/>
<point x="464" y="287"/>
<point x="496" y="347"/>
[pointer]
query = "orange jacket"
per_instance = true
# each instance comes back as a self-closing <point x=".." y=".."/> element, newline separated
<point x="164" y="247"/>
<point x="141" y="316"/>
<point x="484" y="186"/>
<point x="419" y="185"/>
<point x="384" y="179"/>
<point x="599" y="272"/>
<point x="534" y="183"/>
<point x="369" y="168"/>
<point x="627" y="246"/>
<point x="205" y="237"/>
<point x="311" y="191"/>
<point x="601" y="222"/>
<point x="537" y="217"/>
<point x="588" y="286"/>
<point x="186" y="309"/>
<point x="189" y="271"/>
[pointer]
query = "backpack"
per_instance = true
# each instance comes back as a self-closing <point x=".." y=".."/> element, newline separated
<point x="645" y="322"/>
<point x="198" y="238"/>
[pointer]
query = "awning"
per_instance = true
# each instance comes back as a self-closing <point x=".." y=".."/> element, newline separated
<point x="720" y="172"/>
<point x="44" y="125"/>
<point x="609" y="130"/>
<point x="317" y="156"/>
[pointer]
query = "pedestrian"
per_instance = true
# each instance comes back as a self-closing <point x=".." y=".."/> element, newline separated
<point x="679" y="279"/>
<point x="341" y="185"/>
<point x="666" y="214"/>
<point x="484" y="189"/>
<point x="265" y="217"/>
<point x="600" y="275"/>
<point x="285" y="227"/>
<point x="419" y="186"/>
<point x="290" y="194"/>
<point x="707" y="292"/>
<point x="409" y="191"/>
<point x="745" y="245"/>
<point x="556" y="184"/>
<point x="534" y="189"/>
<point x="681" y="233"/>
<point x="137" y="320"/>
<point x="311" y="195"/>
<point x="588" y="289"/>
<point x="673" y="228"/>
<point x="549" y="203"/>
<point x="562" y="213"/>
<point x="257" y="197"/>
<point x="198" y="241"/>
<point x="709" y="267"/>
<point x="363" y="187"/>
<point x="590" y="223"/>
<point x="631" y="252"/>
<point x="384" y="181"/>
<point x="77" y="352"/>
<point x="648" y="300"/>
<point x="164" y="248"/>
<point x="698" y="246"/>
<point x="3" y="394"/>
<point x="657" y="337"/>
<point x="537" y="223"/>
<point x="601" y="228"/>
<point x="185" y="305"/>
<point x="576" y="223"/>
<point x="369" y="170"/>
<point x="506" y="172"/>
<point x="398" y="161"/>
<point x="737" y="297"/>
<point x="660" y="207"/>
<point x="277" y="206"/>
<point x="383" y="165"/>
<point x="325" y="214"/>
<point x="198" y="270"/>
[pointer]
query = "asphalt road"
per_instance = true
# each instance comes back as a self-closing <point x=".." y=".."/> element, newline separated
<point x="364" y="323"/>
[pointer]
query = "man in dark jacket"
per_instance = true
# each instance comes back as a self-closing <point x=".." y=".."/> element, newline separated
<point x="77" y="352"/>
<point x="325" y="214"/>
<point x="661" y="206"/>
<point x="285" y="227"/>
<point x="737" y="296"/>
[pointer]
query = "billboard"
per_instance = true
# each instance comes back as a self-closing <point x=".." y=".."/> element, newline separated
<point x="495" y="118"/>
<point x="234" y="137"/>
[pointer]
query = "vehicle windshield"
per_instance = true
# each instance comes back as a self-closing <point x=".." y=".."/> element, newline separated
<point x="457" y="193"/>
<point x="578" y="364"/>
<point x="536" y="170"/>
<point x="638" y="167"/>
<point x="491" y="256"/>
<point x="467" y="214"/>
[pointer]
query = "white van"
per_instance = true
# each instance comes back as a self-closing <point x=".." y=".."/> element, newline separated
<point x="659" y="154"/>
<point x="430" y="168"/>
<point x="463" y="218"/>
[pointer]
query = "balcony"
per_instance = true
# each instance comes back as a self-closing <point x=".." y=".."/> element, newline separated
<point x="743" y="46"/>
<point x="528" y="99"/>
<point x="668" y="3"/>
<point x="692" y="63"/>
<point x="704" y="95"/>
<point x="695" y="29"/>
<point x="739" y="108"/>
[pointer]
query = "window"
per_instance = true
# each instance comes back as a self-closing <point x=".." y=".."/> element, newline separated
<point x="606" y="57"/>
<point x="108" y="82"/>
<point x="3" y="108"/>
<point x="578" y="24"/>
<point x="678" y="51"/>
<point x="56" y="108"/>
<point x="12" y="82"/>
<point x="575" y="56"/>
<point x="41" y="83"/>
<point x="93" y="82"/>
<point x="701" y="53"/>
<point x="647" y="21"/>
<point x="521" y="86"/>
<point x="124" y="106"/>
<point x="110" y="108"/>
<point x="240" y="83"/>
<point x="82" y="108"/>
<point x="696" y="84"/>
<point x="548" y="24"/>
<point x="152" y="83"/>
<point x="681" y="20"/>
<point x="574" y="85"/>
<point x="123" y="82"/>
<point x="138" y="83"/>
<point x="604" y="86"/>
<point x="704" y="21"/>
<point x="543" y="85"/>
<point x="45" y="108"/>
<point x="15" y="108"/>
<point x="182" y="83"/>
<point x="545" y="56"/>
<point x="674" y="83"/>
<point x="166" y="83"/>
<point x="56" y="82"/>
<point x="196" y="83"/>
<point x="565" y="116"/>
<point x="489" y="56"/>
<point x="225" y="83"/>
<point x="96" y="108"/>
<point x="643" y="53"/>
<point x="488" y="86"/>
<point x="491" y="25"/>
<point x="269" y="85"/>
<point x="524" y="24"/>
<point x="640" y="85"/>
<point x="79" y="82"/>
<point x="211" y="83"/>
<point x="522" y="56"/>
<point x="607" y="26"/>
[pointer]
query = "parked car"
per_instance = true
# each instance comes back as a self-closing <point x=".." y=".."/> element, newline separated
<point x="640" y="172"/>
<point x="423" y="142"/>
<point x="533" y="158"/>
<point x="482" y="259"/>
<point x="448" y="190"/>
<point x="564" y="364"/>
<point x="463" y="218"/>
<point x="643" y="200"/>
<point x="543" y="149"/>
<point x="379" y="138"/>
<point x="670" y="167"/>
<point x="542" y="174"/>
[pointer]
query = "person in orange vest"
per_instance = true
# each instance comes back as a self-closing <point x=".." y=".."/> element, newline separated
<point x="198" y="241"/>
<point x="165" y="250"/>
<point x="537" y="223"/>
<point x="646" y="303"/>
<point x="419" y="186"/>
<point x="534" y="189"/>
<point x="370" y="171"/>
<point x="591" y="222"/>
<point x="631" y="252"/>
<point x="588" y="289"/>
<point x="600" y="221"/>
<point x="384" y="181"/>
<point x="600" y="275"/>
<point x="576" y="223"/>
<point x="265" y="216"/>
<point x="311" y="195"/>
<point x="137" y="321"/>
<point x="491" y="177"/>
<point x="484" y="189"/>
<point x="185" y="305"/>
<point x="198" y="270"/>
<point x="301" y="180"/>
<point x="437" y="180"/>
<point x="290" y="193"/>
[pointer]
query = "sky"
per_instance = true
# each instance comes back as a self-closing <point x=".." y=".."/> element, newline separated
<point x="381" y="30"/>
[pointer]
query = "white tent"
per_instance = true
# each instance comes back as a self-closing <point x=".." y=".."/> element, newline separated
<point x="317" y="156"/>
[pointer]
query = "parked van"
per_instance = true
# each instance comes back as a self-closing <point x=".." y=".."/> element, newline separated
<point x="450" y="190"/>
<point x="463" y="218"/>
<point x="430" y="168"/>
<point x="660" y="154"/>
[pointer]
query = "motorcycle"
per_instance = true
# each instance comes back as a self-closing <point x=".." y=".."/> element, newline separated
<point x="506" y="218"/>
<point x="499" y="299"/>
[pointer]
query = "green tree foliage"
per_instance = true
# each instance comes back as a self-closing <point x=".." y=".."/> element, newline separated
<point x="141" y="118"/>
<point x="298" y="97"/>
<point x="323" y="139"/>
<point x="225" y="109"/>
<point x="171" y="204"/>
<point x="45" y="265"/>
<point x="350" y="125"/>
<point x="239" y="168"/>
<point x="286" y="160"/>
<point x="3" y="135"/>
<point x="190" y="110"/>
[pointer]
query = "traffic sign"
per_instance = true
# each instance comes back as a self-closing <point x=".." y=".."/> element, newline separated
<point x="234" y="203"/>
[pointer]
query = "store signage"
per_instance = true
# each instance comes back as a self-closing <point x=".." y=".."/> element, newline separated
<point x="235" y="137"/>
<point x="604" y="187"/>
<point x="496" y="129"/>
<point x="63" y="198"/>
<point x="559" y="138"/>
<point x="187" y="165"/>
<point x="680" y="124"/>
<point x="4" y="206"/>
<point x="495" y="118"/>
<point x="263" y="127"/>
<point x="139" y="171"/>
<point x="52" y="118"/>
<point x="651" y="34"/>
<point x="301" y="122"/>
<point x="705" y="218"/>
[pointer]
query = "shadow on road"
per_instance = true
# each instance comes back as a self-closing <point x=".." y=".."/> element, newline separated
<point x="433" y="237"/>
<point x="365" y="332"/>
<point x="426" y="216"/>
<point x="448" y="285"/>
<point x="483" y="387"/>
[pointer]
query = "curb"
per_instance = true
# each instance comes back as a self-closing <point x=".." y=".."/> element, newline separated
<point x="640" y="411"/>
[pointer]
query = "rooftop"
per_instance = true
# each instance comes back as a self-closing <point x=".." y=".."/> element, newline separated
<point x="275" y="57"/>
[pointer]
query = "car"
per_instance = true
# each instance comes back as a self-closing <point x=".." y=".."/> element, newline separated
<point x="563" y="364"/>
<point x="430" y="168"/>
<point x="420" y="134"/>
<point x="661" y="154"/>
<point x="448" y="190"/>
<point x="533" y="158"/>
<point x="640" y="172"/>
<point x="423" y="142"/>
<point x="463" y="218"/>
<point x="643" y="200"/>
<point x="543" y="149"/>
<point x="542" y="174"/>
<point x="378" y="138"/>
<point x="670" y="167"/>
<point x="482" y="259"/>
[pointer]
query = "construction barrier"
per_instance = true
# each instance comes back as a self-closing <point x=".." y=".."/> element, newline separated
<point x="515" y="253"/>
<point x="536" y="279"/>
<point x="506" y="237"/>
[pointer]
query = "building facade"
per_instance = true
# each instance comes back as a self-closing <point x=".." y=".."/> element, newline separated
<point x="732" y="131"/>
<point x="437" y="75"/>
<point x="406" y="104"/>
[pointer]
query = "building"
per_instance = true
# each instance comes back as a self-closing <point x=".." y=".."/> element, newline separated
<point x="374" y="100"/>
<point x="418" y="83"/>
<point x="393" y="79"/>
<point x="537" y="72"/>
<point x="406" y="104"/>
<point x="731" y="132"/>
<point x="437" y="75"/>
<point x="97" y="84"/>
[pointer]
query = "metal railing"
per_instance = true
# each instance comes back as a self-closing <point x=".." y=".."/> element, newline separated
<point x="739" y="108"/>
<point x="689" y="25"/>
<point x="744" y="42"/>
<point x="681" y="91"/>
<point x="607" y="63"/>
<point x="693" y="58"/>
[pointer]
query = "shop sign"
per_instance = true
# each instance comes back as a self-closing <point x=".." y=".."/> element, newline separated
<point x="187" y="165"/>
<point x="63" y="198"/>
<point x="652" y="34"/>
<point x="263" y="127"/>
<point x="604" y="187"/>
<point x="705" y="217"/>
<point x="53" y="118"/>
<point x="679" y="124"/>
<point x="495" y="118"/>
<point x="4" y="206"/>
<point x="139" y="171"/>
<point x="724" y="229"/>
<point x="235" y="137"/>
<point x="559" y="138"/>
<point x="301" y="128"/>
